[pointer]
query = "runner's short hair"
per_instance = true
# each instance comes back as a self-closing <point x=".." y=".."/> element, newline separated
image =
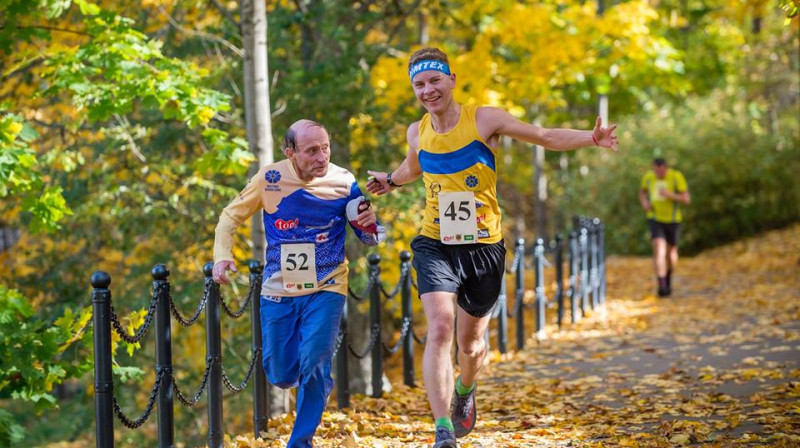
<point x="659" y="162"/>
<point x="427" y="54"/>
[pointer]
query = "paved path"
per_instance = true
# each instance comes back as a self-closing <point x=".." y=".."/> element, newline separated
<point x="716" y="364"/>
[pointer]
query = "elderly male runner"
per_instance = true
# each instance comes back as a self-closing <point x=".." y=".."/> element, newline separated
<point x="305" y="201"/>
<point x="459" y="255"/>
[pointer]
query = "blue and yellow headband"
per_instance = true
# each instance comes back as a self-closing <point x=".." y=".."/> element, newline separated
<point x="426" y="65"/>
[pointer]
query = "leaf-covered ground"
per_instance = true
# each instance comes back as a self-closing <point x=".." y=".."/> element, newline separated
<point x="716" y="364"/>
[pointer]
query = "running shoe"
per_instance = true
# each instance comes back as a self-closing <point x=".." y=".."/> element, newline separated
<point x="444" y="438"/>
<point x="464" y="413"/>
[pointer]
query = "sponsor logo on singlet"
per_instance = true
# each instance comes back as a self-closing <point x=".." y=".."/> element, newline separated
<point x="272" y="177"/>
<point x="281" y="224"/>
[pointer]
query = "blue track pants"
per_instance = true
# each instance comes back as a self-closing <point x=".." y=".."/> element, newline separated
<point x="299" y="336"/>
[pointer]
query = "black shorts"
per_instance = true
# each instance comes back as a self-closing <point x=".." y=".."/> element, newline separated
<point x="473" y="271"/>
<point x="670" y="231"/>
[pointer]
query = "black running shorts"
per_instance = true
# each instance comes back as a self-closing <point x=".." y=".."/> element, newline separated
<point x="473" y="271"/>
<point x="669" y="231"/>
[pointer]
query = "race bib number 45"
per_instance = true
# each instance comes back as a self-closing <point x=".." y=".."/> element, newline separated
<point x="457" y="221"/>
<point x="298" y="267"/>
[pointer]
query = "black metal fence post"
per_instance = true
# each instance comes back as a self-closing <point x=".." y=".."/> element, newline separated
<point x="166" y="417"/>
<point x="502" y="318"/>
<point x="260" y="397"/>
<point x="408" y="339"/>
<point x="375" y="325"/>
<point x="342" y="371"/>
<point x="583" y="241"/>
<point x="573" y="276"/>
<point x="519" y="291"/>
<point x="103" y="381"/>
<point x="560" y="278"/>
<point x="602" y="244"/>
<point x="540" y="299"/>
<point x="595" y="262"/>
<point x="214" y="357"/>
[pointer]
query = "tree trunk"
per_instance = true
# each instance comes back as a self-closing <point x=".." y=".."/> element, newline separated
<point x="256" y="100"/>
<point x="259" y="130"/>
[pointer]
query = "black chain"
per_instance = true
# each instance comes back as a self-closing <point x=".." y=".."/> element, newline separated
<point x="517" y="257"/>
<point x="200" y="307"/>
<point x="339" y="339"/>
<point x="403" y="333"/>
<point x="417" y="339"/>
<point x="545" y="262"/>
<point x="499" y="305"/>
<point x="391" y="295"/>
<point x="373" y="337"/>
<point x="133" y="424"/>
<point x="243" y="309"/>
<point x="142" y="331"/>
<point x="241" y="386"/>
<point x="373" y="277"/>
<point x="193" y="401"/>
<point x="511" y="312"/>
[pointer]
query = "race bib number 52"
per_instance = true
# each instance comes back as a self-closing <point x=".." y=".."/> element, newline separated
<point x="457" y="221"/>
<point x="298" y="267"/>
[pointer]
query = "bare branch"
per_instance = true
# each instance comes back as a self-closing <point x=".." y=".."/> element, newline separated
<point x="123" y="125"/>
<point x="51" y="28"/>
<point x="238" y="51"/>
<point x="280" y="109"/>
<point x="23" y="66"/>
<point x="225" y="12"/>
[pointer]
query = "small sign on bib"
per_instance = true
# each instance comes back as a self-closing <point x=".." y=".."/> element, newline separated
<point x="655" y="195"/>
<point x="458" y="223"/>
<point x="298" y="267"/>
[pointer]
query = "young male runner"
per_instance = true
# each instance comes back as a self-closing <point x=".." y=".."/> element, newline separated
<point x="459" y="255"/>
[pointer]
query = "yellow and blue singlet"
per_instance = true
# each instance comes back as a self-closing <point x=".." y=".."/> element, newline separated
<point x="459" y="160"/>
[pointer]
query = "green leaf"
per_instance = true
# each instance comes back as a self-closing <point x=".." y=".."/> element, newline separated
<point x="88" y="9"/>
<point x="47" y="208"/>
<point x="10" y="432"/>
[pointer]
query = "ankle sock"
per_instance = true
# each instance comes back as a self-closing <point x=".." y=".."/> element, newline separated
<point x="662" y="282"/>
<point x="445" y="422"/>
<point x="461" y="389"/>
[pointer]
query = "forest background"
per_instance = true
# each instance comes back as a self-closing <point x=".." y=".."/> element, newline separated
<point x="123" y="135"/>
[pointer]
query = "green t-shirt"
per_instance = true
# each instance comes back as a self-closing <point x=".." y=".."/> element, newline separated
<point x="664" y="210"/>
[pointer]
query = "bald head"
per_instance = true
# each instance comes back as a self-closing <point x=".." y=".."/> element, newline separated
<point x="298" y="128"/>
<point x="307" y="144"/>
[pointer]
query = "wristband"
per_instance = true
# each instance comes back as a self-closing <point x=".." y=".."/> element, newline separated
<point x="594" y="139"/>
<point x="389" y="181"/>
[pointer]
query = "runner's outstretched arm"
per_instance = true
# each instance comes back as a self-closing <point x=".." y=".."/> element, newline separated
<point x="493" y="121"/>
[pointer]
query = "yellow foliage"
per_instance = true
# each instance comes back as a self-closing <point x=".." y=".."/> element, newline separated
<point x="549" y="46"/>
